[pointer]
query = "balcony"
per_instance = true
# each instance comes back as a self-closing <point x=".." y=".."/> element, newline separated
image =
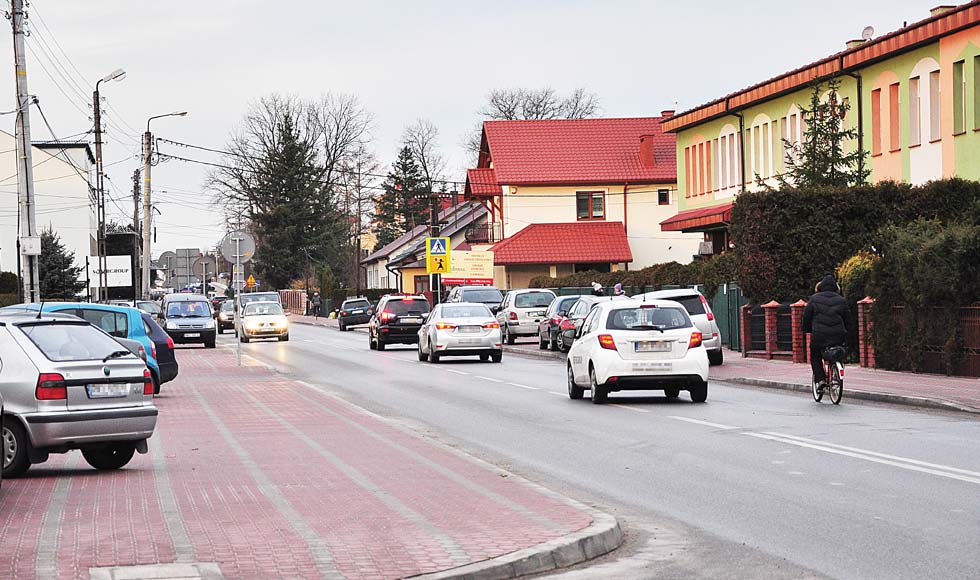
<point x="488" y="233"/>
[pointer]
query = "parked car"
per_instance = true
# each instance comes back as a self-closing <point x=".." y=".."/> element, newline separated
<point x="187" y="318"/>
<point x="226" y="316"/>
<point x="353" y="312"/>
<point x="460" y="329"/>
<point x="521" y="311"/>
<point x="263" y="320"/>
<point x="550" y="326"/>
<point x="150" y="306"/>
<point x="700" y="312"/>
<point x="67" y="385"/>
<point x="488" y="295"/>
<point x="637" y="345"/>
<point x="121" y="322"/>
<point x="397" y="320"/>
<point x="576" y="314"/>
<point x="163" y="352"/>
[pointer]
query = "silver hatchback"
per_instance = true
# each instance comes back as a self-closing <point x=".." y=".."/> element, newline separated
<point x="67" y="385"/>
<point x="460" y="329"/>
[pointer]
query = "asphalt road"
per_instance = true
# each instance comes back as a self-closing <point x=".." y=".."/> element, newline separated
<point x="753" y="483"/>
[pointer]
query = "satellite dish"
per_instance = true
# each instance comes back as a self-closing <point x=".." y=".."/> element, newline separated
<point x="868" y="33"/>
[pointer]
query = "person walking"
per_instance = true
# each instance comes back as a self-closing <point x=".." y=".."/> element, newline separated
<point x="316" y="305"/>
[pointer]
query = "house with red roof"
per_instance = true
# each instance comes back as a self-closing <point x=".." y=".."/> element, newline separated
<point x="572" y="195"/>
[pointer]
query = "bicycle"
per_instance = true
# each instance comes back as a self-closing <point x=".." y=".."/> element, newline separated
<point x="833" y="369"/>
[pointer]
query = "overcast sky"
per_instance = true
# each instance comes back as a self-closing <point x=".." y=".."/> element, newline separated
<point x="404" y="59"/>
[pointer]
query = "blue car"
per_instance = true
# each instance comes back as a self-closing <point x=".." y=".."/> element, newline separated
<point x="119" y="321"/>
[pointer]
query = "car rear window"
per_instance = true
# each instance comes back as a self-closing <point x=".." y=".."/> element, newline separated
<point x="466" y="312"/>
<point x="648" y="318"/>
<point x="533" y="300"/>
<point x="70" y="342"/>
<point x="357" y="304"/>
<point x="411" y="306"/>
<point x="692" y="304"/>
<point x="485" y="296"/>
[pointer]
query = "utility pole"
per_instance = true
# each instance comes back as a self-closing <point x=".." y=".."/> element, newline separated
<point x="28" y="242"/>
<point x="435" y="280"/>
<point x="147" y="203"/>
<point x="136" y="231"/>
<point x="100" y="195"/>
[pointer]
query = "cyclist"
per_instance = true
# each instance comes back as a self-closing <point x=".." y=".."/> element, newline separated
<point x="826" y="319"/>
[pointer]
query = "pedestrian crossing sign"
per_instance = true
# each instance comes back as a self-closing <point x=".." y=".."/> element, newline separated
<point x="437" y="255"/>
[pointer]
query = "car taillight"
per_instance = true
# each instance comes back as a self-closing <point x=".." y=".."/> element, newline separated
<point x="141" y="352"/>
<point x="51" y="387"/>
<point x="343" y="313"/>
<point x="567" y="324"/>
<point x="386" y="316"/>
<point x="153" y="350"/>
<point x="696" y="339"/>
<point x="170" y="343"/>
<point x="711" y="315"/>
<point x="147" y="382"/>
<point x="556" y="320"/>
<point x="491" y="325"/>
<point x="512" y="316"/>
<point x="445" y="326"/>
<point x="606" y="341"/>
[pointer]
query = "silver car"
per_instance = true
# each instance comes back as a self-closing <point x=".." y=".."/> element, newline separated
<point x="460" y="329"/>
<point x="68" y="385"/>
<point x="697" y="307"/>
<point x="521" y="311"/>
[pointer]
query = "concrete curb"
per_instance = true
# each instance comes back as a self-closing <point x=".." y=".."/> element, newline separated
<point x="907" y="400"/>
<point x="540" y="354"/>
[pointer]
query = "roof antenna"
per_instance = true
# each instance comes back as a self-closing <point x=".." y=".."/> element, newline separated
<point x="40" y="310"/>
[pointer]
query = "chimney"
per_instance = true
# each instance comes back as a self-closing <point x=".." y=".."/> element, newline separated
<point x="855" y="43"/>
<point x="666" y="114"/>
<point x="646" y="151"/>
<point x="941" y="9"/>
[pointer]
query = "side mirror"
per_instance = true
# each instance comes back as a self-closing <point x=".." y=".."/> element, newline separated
<point x="495" y="309"/>
<point x="289" y="314"/>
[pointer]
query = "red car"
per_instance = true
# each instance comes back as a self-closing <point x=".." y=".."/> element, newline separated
<point x="556" y="315"/>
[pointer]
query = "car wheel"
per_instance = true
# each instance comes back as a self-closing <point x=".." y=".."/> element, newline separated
<point x="484" y="357"/>
<point x="284" y="338"/>
<point x="574" y="391"/>
<point x="380" y="345"/>
<point x="511" y="338"/>
<point x="209" y="344"/>
<point x="370" y="340"/>
<point x="15" y="445"/>
<point x="111" y="456"/>
<point x="599" y="393"/>
<point x="553" y="342"/>
<point x="244" y="338"/>
<point x="497" y="356"/>
<point x="672" y="393"/>
<point x="434" y="355"/>
<point x="716" y="357"/>
<point x="562" y="347"/>
<point x="542" y="342"/>
<point x="699" y="393"/>
<point x="156" y="383"/>
<point x="422" y="355"/>
<point x="342" y="327"/>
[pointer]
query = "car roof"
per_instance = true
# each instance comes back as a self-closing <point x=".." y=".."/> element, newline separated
<point x="18" y="316"/>
<point x="532" y="290"/>
<point x="357" y="299"/>
<point x="479" y="288"/>
<point x="674" y="293"/>
<point x="261" y="302"/>
<point x="46" y="306"/>
<point x="634" y="303"/>
<point x="186" y="298"/>
<point x="455" y="304"/>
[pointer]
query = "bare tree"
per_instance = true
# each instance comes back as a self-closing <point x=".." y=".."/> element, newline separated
<point x="421" y="138"/>
<point x="360" y="172"/>
<point x="342" y="126"/>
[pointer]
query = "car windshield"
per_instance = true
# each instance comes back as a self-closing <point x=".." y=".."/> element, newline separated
<point x="533" y="300"/>
<point x="563" y="304"/>
<point x="188" y="309"/>
<point x="409" y="306"/>
<point x="258" y="297"/>
<point x="262" y="308"/>
<point x="490" y="295"/>
<point x="356" y="304"/>
<point x="228" y="306"/>
<point x="692" y="304"/>
<point x="648" y="318"/>
<point x="149" y="307"/>
<point x="70" y="342"/>
<point x="466" y="312"/>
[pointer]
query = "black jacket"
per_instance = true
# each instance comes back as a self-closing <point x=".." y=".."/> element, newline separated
<point x="826" y="316"/>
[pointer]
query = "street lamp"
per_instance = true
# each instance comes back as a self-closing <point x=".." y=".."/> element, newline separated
<point x="116" y="75"/>
<point x="148" y="200"/>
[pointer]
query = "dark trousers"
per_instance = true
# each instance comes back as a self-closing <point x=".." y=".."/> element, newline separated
<point x="316" y="311"/>
<point x="816" y="363"/>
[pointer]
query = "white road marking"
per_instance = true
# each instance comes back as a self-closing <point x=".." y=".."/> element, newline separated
<point x="836" y="483"/>
<point x="491" y="379"/>
<point x="559" y="394"/>
<point x="795" y="473"/>
<point x="520" y="386"/>
<point x="456" y="372"/>
<point x="700" y="422"/>
<point x="628" y="408"/>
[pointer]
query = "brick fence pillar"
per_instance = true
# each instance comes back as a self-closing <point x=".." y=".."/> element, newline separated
<point x="866" y="346"/>
<point x="799" y="339"/>
<point x="745" y="328"/>
<point x="770" y="309"/>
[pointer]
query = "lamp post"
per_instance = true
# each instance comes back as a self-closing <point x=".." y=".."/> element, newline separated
<point x="148" y="199"/>
<point x="116" y="75"/>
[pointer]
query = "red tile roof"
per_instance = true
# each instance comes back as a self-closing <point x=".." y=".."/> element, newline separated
<point x="579" y="151"/>
<point x="567" y="243"/>
<point x="482" y="181"/>
<point x="695" y="218"/>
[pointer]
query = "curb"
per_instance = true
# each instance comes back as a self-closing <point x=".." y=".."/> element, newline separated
<point x="878" y="397"/>
<point x="540" y="354"/>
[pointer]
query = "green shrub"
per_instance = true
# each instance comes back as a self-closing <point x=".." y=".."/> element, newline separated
<point x="7" y="299"/>
<point x="8" y="283"/>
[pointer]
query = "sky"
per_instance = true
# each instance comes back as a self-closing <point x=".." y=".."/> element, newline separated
<point x="404" y="60"/>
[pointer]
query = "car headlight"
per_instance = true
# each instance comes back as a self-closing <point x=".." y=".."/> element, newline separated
<point x="209" y="323"/>
<point x="170" y="325"/>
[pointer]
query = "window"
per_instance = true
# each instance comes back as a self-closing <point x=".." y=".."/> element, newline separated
<point x="959" y="98"/>
<point x="723" y="162"/>
<point x="663" y="197"/>
<point x="590" y="205"/>
<point x="876" y="122"/>
<point x="701" y="176"/>
<point x="766" y="170"/>
<point x="533" y="300"/>
<point x="894" y="133"/>
<point x="70" y="342"/>
<point x="976" y="92"/>
<point x="715" y="165"/>
<point x="734" y="158"/>
<point x="915" y="113"/>
<point x="641" y="319"/>
<point x="935" y="126"/>
<point x="688" y="173"/>
<point x="114" y="323"/>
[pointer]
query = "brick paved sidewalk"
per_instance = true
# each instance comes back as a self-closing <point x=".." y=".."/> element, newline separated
<point x="269" y="477"/>
<point x="960" y="391"/>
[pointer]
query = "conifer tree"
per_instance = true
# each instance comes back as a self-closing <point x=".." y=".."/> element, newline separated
<point x="402" y="205"/>
<point x="57" y="269"/>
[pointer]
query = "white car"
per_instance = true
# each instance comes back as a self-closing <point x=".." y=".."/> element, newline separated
<point x="263" y="320"/>
<point x="521" y="311"/>
<point x="460" y="329"/>
<point x="638" y="345"/>
<point x="700" y="312"/>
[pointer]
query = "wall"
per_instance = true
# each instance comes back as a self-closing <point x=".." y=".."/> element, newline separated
<point x="378" y="276"/>
<point x="520" y="276"/>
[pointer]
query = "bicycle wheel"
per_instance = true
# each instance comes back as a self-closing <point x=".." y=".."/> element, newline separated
<point x="817" y="393"/>
<point x="836" y="385"/>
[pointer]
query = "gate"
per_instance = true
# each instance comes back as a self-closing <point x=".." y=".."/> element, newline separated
<point x="727" y="302"/>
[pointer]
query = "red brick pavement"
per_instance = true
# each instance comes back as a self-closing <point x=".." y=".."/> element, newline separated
<point x="272" y="478"/>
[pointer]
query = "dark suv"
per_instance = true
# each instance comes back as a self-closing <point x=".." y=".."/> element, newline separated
<point x="397" y="320"/>
<point x="354" y="311"/>
<point x="488" y="295"/>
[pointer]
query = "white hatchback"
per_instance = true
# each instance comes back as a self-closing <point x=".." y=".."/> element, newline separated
<point x="521" y="311"/>
<point x="638" y="345"/>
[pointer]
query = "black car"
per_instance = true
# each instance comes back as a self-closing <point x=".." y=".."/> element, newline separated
<point x="550" y="326"/>
<point x="164" y="345"/>
<point x="397" y="320"/>
<point x="226" y="316"/>
<point x="488" y="295"/>
<point x="353" y="312"/>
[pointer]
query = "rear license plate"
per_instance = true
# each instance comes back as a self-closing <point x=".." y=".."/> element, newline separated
<point x="107" y="391"/>
<point x="536" y="313"/>
<point x="652" y="346"/>
<point x="410" y="320"/>
<point x="469" y="341"/>
<point x="653" y="366"/>
<point x="357" y="312"/>
<point x="192" y="335"/>
<point x="469" y="329"/>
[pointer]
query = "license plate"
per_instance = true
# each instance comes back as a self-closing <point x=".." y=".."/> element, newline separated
<point x="192" y="335"/>
<point x="652" y="346"/>
<point x="469" y="341"/>
<point x="469" y="329"/>
<point x="653" y="366"/>
<point x="357" y="312"/>
<point x="107" y="391"/>
<point x="535" y="313"/>
<point x="411" y="320"/>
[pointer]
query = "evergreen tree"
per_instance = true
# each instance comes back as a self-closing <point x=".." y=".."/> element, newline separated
<point x="403" y="204"/>
<point x="57" y="269"/>
<point x="824" y="157"/>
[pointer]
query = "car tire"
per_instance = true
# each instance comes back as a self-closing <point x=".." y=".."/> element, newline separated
<point x="511" y="339"/>
<point x="497" y="356"/>
<point x="699" y="393"/>
<point x="542" y="342"/>
<point x="111" y="456"/>
<point x="379" y="344"/>
<point x="484" y="357"/>
<point x="156" y="383"/>
<point x="599" y="392"/>
<point x="342" y="327"/>
<point x="370" y="340"/>
<point x="716" y="357"/>
<point x="672" y="393"/>
<point x="15" y="448"/>
<point x="244" y="338"/>
<point x="284" y="338"/>
<point x="553" y="342"/>
<point x="422" y="355"/>
<point x="575" y="392"/>
<point x="434" y="355"/>
<point x="209" y="344"/>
